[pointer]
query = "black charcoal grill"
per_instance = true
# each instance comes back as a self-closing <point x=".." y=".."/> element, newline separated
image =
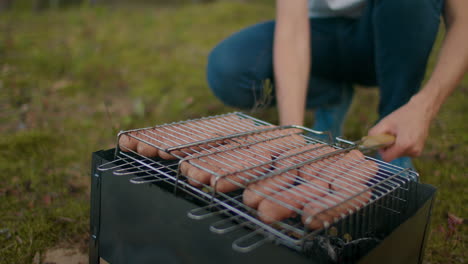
<point x="143" y="210"/>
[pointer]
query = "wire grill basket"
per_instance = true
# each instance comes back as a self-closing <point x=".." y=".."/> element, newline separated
<point x="282" y="183"/>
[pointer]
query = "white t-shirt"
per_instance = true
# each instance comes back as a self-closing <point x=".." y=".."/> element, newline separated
<point x="333" y="8"/>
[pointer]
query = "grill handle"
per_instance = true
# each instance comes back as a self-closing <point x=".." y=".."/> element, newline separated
<point x="377" y="141"/>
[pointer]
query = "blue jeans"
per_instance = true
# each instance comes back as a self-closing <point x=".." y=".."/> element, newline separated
<point x="388" y="46"/>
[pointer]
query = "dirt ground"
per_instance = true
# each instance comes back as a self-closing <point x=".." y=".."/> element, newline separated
<point x="64" y="256"/>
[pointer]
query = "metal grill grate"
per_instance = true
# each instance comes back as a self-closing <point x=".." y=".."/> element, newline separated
<point x="222" y="159"/>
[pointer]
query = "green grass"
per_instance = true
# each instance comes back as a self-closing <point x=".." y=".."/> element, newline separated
<point x="71" y="79"/>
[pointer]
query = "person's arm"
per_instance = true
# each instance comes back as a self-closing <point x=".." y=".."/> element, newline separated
<point x="291" y="60"/>
<point x="410" y="123"/>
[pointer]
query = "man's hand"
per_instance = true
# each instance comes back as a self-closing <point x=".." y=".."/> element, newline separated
<point x="410" y="125"/>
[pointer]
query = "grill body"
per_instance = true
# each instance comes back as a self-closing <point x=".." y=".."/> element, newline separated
<point x="149" y="224"/>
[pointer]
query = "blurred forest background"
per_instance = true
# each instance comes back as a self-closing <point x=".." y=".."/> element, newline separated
<point x="75" y="72"/>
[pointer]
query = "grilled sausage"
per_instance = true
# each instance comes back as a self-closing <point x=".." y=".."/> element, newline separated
<point x="256" y="192"/>
<point x="322" y="212"/>
<point x="285" y="204"/>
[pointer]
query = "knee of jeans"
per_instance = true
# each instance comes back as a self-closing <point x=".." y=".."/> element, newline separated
<point x="224" y="74"/>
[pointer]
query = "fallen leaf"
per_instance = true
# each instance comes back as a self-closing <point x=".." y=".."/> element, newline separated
<point x="454" y="220"/>
<point x="47" y="200"/>
<point x="59" y="85"/>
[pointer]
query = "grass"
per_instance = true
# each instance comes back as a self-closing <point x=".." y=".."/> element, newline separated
<point x="71" y="79"/>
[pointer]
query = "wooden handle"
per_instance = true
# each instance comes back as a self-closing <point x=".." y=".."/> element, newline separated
<point x="377" y="141"/>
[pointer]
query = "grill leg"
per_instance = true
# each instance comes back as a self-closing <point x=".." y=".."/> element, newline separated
<point x="95" y="210"/>
<point x="93" y="252"/>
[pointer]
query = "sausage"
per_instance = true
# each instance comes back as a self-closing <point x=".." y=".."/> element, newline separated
<point x="127" y="142"/>
<point x="226" y="125"/>
<point x="312" y="170"/>
<point x="176" y="135"/>
<point x="334" y="166"/>
<point x="310" y="151"/>
<point x="256" y="192"/>
<point x="350" y="181"/>
<point x="283" y="139"/>
<point x="354" y="180"/>
<point x="277" y="146"/>
<point x="277" y="141"/>
<point x="258" y="154"/>
<point x="193" y="131"/>
<point x="239" y="159"/>
<point x="322" y="212"/>
<point x="233" y="124"/>
<point x="231" y="161"/>
<point x="195" y="175"/>
<point x="189" y="132"/>
<point x="270" y="210"/>
<point x="161" y="137"/>
<point x="151" y="136"/>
